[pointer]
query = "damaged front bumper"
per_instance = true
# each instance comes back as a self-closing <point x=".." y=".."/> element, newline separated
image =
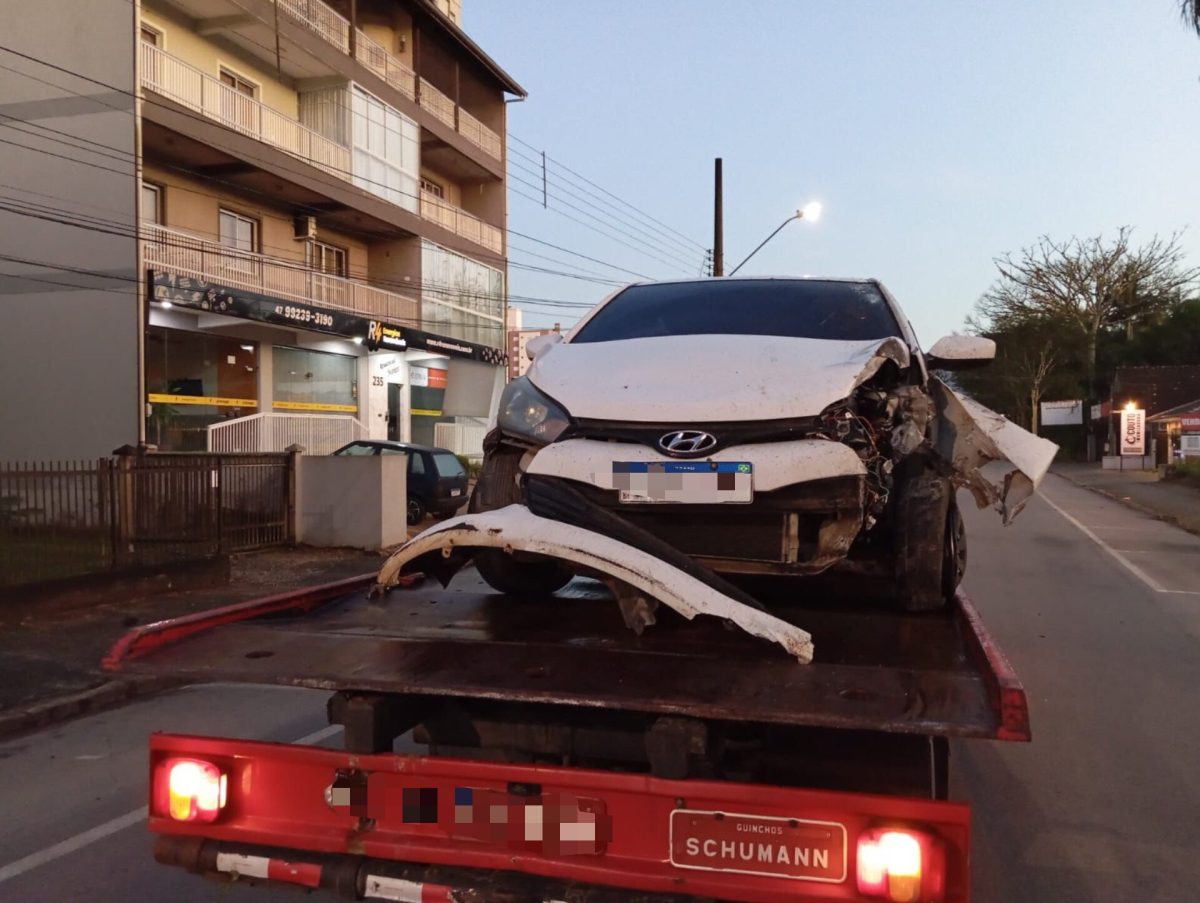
<point x="445" y="548"/>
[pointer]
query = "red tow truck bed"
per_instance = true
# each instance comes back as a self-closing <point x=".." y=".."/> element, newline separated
<point x="691" y="761"/>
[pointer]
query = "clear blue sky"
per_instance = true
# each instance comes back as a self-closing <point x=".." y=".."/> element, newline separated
<point x="937" y="134"/>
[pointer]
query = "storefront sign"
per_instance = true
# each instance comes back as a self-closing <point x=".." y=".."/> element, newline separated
<point x="1062" y="413"/>
<point x="427" y="377"/>
<point x="1190" y="422"/>
<point x="157" y="398"/>
<point x="200" y="294"/>
<point x="1133" y="431"/>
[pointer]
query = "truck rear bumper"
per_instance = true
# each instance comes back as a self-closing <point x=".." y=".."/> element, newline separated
<point x="358" y="824"/>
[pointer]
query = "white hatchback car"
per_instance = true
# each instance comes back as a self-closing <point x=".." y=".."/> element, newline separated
<point x="780" y="426"/>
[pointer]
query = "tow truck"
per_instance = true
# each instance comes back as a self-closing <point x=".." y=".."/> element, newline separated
<point x="502" y="748"/>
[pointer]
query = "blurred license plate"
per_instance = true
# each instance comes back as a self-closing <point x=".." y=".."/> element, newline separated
<point x="690" y="482"/>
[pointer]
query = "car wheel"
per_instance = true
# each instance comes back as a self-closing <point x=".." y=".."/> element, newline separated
<point x="514" y="577"/>
<point x="926" y="542"/>
<point x="519" y="575"/>
<point x="954" y="566"/>
<point x="416" y="511"/>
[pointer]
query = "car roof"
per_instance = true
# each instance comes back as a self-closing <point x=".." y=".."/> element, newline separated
<point x="402" y="446"/>
<point x="862" y="280"/>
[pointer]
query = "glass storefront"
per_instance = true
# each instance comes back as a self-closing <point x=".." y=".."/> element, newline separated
<point x="427" y="388"/>
<point x="315" y="381"/>
<point x="195" y="379"/>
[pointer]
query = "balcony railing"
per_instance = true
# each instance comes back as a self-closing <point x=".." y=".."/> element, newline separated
<point x="187" y="85"/>
<point x="478" y="133"/>
<point x="461" y="223"/>
<point x="189" y="255"/>
<point x="322" y="19"/>
<point x="437" y="103"/>
<point x="375" y="57"/>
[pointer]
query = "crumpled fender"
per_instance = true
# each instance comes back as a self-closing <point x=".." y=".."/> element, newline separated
<point x="516" y="528"/>
<point x="970" y="435"/>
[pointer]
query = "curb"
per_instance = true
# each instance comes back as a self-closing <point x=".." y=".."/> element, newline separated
<point x="108" y="695"/>
<point x="1129" y="503"/>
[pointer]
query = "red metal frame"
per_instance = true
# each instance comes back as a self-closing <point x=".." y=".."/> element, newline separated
<point x="277" y="799"/>
<point x="149" y="637"/>
<point x="1006" y="686"/>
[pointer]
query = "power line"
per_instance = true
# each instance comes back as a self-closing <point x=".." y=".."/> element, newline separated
<point x="609" y="193"/>
<point x="590" y="198"/>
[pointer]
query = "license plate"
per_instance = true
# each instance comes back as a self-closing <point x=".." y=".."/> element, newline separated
<point x="454" y="493"/>
<point x="796" y="848"/>
<point x="689" y="482"/>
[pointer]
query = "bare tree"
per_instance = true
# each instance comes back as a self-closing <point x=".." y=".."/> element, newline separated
<point x="1189" y="10"/>
<point x="1085" y="285"/>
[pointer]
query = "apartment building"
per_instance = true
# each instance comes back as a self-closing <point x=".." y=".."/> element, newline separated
<point x="518" y="340"/>
<point x="319" y="196"/>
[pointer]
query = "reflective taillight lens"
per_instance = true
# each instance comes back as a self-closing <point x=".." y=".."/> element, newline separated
<point x="190" y="790"/>
<point x="901" y="865"/>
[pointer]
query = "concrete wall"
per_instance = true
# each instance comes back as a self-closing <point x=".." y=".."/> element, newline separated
<point x="355" y="502"/>
<point x="70" y="342"/>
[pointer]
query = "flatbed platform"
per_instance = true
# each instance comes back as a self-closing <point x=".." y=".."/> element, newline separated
<point x="936" y="675"/>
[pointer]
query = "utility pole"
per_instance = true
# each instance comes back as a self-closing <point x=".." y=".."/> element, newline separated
<point x="718" y="267"/>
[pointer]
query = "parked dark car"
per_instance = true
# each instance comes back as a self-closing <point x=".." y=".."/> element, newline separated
<point x="437" y="481"/>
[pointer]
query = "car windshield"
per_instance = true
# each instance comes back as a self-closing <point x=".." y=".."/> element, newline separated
<point x="808" y="309"/>
<point x="448" y="465"/>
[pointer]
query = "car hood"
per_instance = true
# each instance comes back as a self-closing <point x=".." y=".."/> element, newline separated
<point x="707" y="378"/>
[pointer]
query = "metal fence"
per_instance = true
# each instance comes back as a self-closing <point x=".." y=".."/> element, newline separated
<point x="69" y="518"/>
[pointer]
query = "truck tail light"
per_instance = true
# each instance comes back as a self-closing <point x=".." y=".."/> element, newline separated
<point x="901" y="865"/>
<point x="189" y="789"/>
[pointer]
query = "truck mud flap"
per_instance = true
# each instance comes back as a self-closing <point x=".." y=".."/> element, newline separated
<point x="445" y="548"/>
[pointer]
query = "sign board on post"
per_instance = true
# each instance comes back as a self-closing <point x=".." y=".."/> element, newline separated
<point x="1062" y="413"/>
<point x="1133" y="431"/>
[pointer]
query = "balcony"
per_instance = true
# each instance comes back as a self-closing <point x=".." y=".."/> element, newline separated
<point x="463" y="224"/>
<point x="335" y="29"/>
<point x="198" y="91"/>
<point x="189" y="255"/>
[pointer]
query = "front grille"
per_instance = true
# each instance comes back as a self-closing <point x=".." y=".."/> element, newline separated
<point x="727" y="434"/>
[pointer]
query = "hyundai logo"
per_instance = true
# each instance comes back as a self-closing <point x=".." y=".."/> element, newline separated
<point x="685" y="443"/>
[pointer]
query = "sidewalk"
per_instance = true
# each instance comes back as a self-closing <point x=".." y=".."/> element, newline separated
<point x="1171" y="501"/>
<point x="50" y="660"/>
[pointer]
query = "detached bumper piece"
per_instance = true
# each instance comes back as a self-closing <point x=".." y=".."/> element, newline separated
<point x="443" y="549"/>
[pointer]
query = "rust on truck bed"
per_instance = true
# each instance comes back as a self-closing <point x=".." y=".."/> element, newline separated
<point x="935" y="674"/>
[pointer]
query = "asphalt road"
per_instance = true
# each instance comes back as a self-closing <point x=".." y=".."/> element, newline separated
<point x="1098" y="607"/>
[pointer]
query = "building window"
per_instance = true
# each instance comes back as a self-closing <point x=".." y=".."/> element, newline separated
<point x="152" y="211"/>
<point x="239" y="84"/>
<point x="386" y="150"/>
<point x="306" y="380"/>
<point x="432" y="187"/>
<point x="238" y="232"/>
<point x="327" y="259"/>
<point x="193" y="380"/>
<point x="151" y="36"/>
<point x="460" y="297"/>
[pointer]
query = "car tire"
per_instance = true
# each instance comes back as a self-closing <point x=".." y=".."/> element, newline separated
<point x="526" y="575"/>
<point x="927" y="539"/>
<point x="416" y="510"/>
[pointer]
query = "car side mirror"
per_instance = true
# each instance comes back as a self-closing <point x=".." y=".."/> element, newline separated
<point x="960" y="352"/>
<point x="541" y="344"/>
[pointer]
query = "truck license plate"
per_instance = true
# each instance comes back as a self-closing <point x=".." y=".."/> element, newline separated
<point x="690" y="482"/>
<point x="795" y="848"/>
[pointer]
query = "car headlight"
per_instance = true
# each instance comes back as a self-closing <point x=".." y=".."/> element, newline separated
<point x="524" y="411"/>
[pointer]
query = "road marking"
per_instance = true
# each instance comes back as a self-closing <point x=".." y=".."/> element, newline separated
<point x="120" y="823"/>
<point x="1133" y="568"/>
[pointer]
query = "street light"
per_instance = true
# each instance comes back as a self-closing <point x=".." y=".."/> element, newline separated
<point x="810" y="211"/>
